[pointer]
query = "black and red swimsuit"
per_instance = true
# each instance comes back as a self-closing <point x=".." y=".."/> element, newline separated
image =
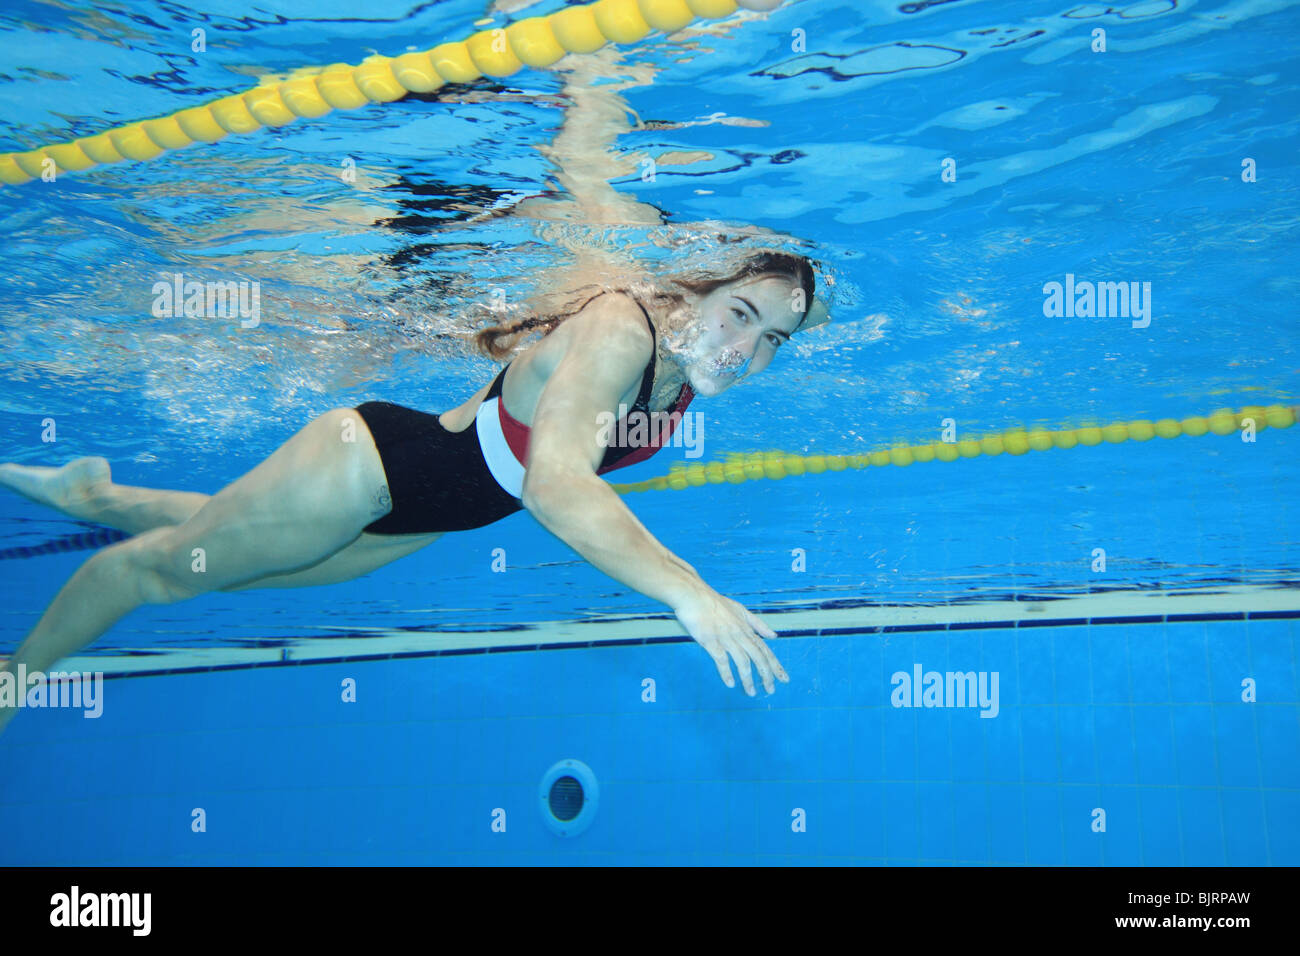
<point x="453" y="481"/>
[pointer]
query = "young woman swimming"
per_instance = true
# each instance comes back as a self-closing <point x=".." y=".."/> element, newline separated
<point x="360" y="487"/>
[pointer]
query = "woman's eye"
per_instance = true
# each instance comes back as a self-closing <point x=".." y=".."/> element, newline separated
<point x="775" y="340"/>
<point x="739" y="314"/>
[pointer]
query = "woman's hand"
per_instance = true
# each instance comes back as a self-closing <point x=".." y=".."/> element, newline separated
<point x="722" y="626"/>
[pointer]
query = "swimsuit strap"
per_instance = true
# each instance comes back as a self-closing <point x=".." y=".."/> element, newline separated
<point x="647" y="379"/>
<point x="495" y="389"/>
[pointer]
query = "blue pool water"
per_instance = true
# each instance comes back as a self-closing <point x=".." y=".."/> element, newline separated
<point x="1147" y="713"/>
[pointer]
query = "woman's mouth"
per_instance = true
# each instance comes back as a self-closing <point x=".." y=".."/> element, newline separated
<point x="730" y="364"/>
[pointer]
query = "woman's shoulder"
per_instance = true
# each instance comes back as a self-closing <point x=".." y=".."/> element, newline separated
<point x="608" y="336"/>
<point x="612" y="319"/>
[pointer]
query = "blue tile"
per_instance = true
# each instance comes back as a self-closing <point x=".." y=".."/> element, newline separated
<point x="1083" y="845"/>
<point x="526" y="751"/>
<point x="433" y="745"/>
<point x="933" y="748"/>
<point x="1279" y="743"/>
<point x="1194" y="746"/>
<point x="1116" y="756"/>
<point x="870" y="817"/>
<point x="966" y="761"/>
<point x="867" y="668"/>
<point x="1282" y="809"/>
<point x="710" y="804"/>
<point x="1044" y="826"/>
<point x="495" y="761"/>
<point x="899" y="659"/>
<point x="809" y="662"/>
<point x="1203" y="828"/>
<point x="1078" y="743"/>
<point x="1161" y="831"/>
<point x="841" y="820"/>
<point x="866" y="743"/>
<point x="1123" y="837"/>
<point x="930" y="649"/>
<point x="691" y="820"/>
<point x="1110" y="664"/>
<point x="1273" y="659"/>
<point x="937" y="836"/>
<point x="467" y="824"/>
<point x="640" y="812"/>
<point x="1073" y="671"/>
<point x="900" y="730"/>
<point x="902" y="825"/>
<point x="1189" y="680"/>
<point x="741" y="821"/>
<point x="1038" y="739"/>
<point x="1238" y="754"/>
<point x="1244" y="829"/>
<point x="836" y="667"/>
<point x="998" y="653"/>
<point x="1228" y="660"/>
<point x="1002" y="745"/>
<point x="1035" y="682"/>
<point x="682" y="755"/>
<point x="791" y="817"/>
<point x="1154" y="741"/>
<point x="1148" y="664"/>
<point x="972" y="822"/>
<point x="805" y="744"/>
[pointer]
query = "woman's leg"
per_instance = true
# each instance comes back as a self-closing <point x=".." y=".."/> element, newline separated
<point x="84" y="489"/>
<point x="310" y="499"/>
<point x="368" y="553"/>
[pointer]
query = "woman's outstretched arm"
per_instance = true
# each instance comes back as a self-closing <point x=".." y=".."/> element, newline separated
<point x="607" y="354"/>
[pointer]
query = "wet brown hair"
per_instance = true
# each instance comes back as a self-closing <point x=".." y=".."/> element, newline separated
<point x="498" y="341"/>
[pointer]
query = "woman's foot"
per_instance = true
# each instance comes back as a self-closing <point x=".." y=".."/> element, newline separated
<point x="60" y="488"/>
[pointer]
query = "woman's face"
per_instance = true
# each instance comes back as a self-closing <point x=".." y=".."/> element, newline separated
<point x="736" y="331"/>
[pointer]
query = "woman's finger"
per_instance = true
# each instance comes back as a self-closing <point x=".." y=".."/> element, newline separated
<point x="768" y="653"/>
<point x="772" y="661"/>
<point x="760" y="625"/>
<point x="759" y="654"/>
<point x="741" y="660"/>
<point x="771" y="658"/>
<point x="719" y="656"/>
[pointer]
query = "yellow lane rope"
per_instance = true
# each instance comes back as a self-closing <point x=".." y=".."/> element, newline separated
<point x="741" y="467"/>
<point x="534" y="42"/>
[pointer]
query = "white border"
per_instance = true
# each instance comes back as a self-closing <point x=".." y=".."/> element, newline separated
<point x="383" y="641"/>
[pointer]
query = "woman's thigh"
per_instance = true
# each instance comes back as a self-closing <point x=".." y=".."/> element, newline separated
<point x="368" y="553"/>
<point x="310" y="499"/>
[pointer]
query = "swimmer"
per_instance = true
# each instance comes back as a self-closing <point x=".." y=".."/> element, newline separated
<point x="358" y="488"/>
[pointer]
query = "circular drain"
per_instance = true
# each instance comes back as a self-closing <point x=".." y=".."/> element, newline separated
<point x="569" y="795"/>
<point x="566" y="799"/>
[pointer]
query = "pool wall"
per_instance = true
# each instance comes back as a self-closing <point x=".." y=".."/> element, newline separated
<point x="439" y="759"/>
